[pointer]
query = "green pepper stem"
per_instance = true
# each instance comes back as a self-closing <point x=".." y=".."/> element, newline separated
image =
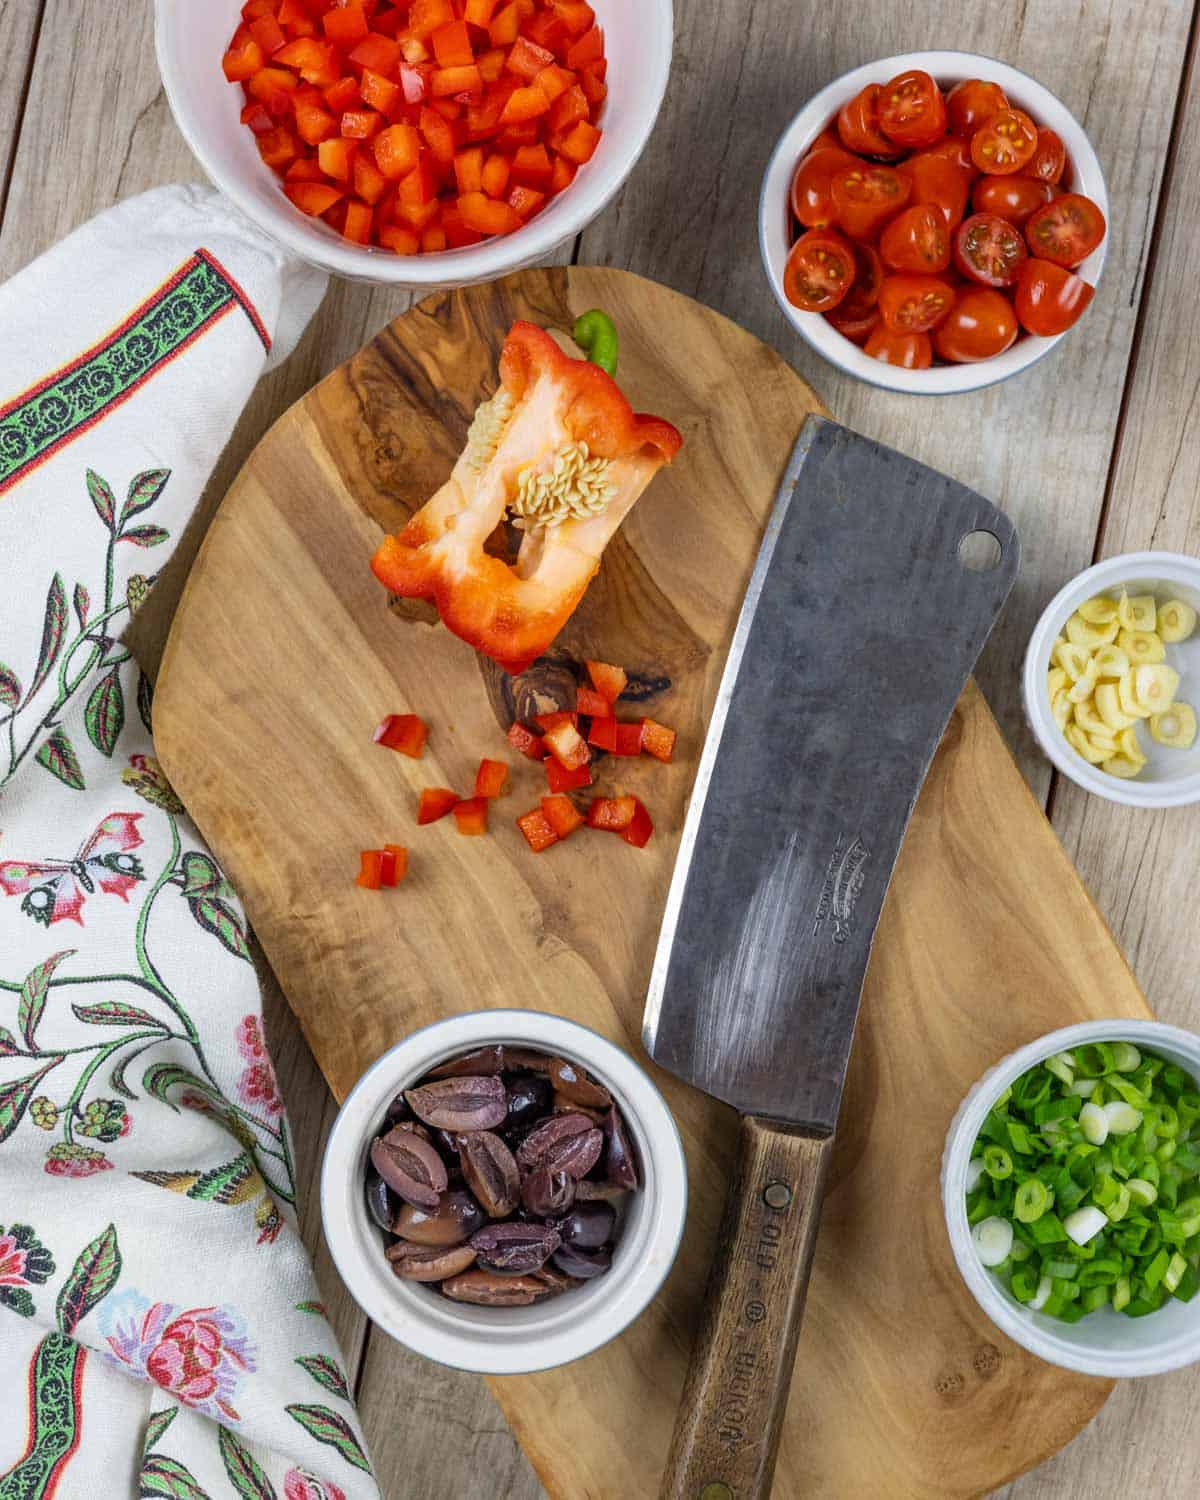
<point x="596" y="335"/>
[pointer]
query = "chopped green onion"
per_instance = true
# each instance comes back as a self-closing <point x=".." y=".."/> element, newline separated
<point x="974" y="1173"/>
<point x="997" y="1163"/>
<point x="1126" y="1057"/>
<point x="1084" y="1087"/>
<point x="1122" y="1118"/>
<point x="1121" y="1293"/>
<point x="1094" y="1124"/>
<point x="1061" y="1067"/>
<point x="993" y="1240"/>
<point x="1033" y="1199"/>
<point x="1173" y="1275"/>
<point x="1141" y="1191"/>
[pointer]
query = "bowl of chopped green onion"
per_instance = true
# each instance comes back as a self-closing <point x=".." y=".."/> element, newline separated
<point x="1071" y="1186"/>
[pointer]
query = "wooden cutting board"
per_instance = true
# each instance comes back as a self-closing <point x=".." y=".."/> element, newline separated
<point x="284" y="656"/>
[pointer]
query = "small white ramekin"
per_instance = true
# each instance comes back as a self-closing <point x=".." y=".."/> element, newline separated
<point x="191" y="36"/>
<point x="1170" y="778"/>
<point x="1105" y="1342"/>
<point x="774" y="214"/>
<point x="507" y="1340"/>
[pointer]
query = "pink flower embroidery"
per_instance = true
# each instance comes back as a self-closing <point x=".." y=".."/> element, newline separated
<point x="12" y="1262"/>
<point x="64" y="1160"/>
<point x="199" y="1356"/>
<point x="257" y="1085"/>
<point x="250" y="1038"/>
<point x="299" y="1484"/>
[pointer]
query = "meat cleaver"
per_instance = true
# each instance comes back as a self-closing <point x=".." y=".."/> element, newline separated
<point x="866" y="610"/>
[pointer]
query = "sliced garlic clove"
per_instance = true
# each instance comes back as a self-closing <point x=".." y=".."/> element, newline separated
<point x="1099" y="610"/>
<point x="1074" y="660"/>
<point x="1056" y="680"/>
<point x="1128" y="698"/>
<point x="1130" y="746"/>
<point x="1176" y="621"/>
<point x="1081" y="633"/>
<point x="1062" y="708"/>
<point x="1175" y="726"/>
<point x="1083" y="687"/>
<point x="1082" y="744"/>
<point x="1111" y="662"/>
<point x="1122" y="766"/>
<point x="1138" y="613"/>
<point x="1142" y="647"/>
<point x="1155" y="687"/>
<point x="1108" y="707"/>
<point x="1089" y="720"/>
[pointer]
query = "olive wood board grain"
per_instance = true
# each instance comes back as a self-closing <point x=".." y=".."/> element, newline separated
<point x="284" y="655"/>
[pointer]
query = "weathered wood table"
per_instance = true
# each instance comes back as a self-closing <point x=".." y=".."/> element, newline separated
<point x="1089" y="453"/>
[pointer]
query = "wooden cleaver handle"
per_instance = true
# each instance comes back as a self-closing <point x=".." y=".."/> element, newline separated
<point x="727" y="1430"/>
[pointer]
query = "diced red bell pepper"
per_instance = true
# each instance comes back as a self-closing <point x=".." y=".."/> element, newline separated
<point x="513" y="137"/>
<point x="468" y="169"/>
<point x="278" y="147"/>
<point x="479" y="12"/>
<point x="609" y="681"/>
<point x="588" y="701"/>
<point x="559" y="779"/>
<point x="397" y="150"/>
<point x="657" y="740"/>
<point x="435" y="803"/>
<point x="369" y="182"/>
<point x="253" y="9"/>
<point x="370" y="867"/>
<point x="433" y="238"/>
<point x="586" y="49"/>
<point x="275" y="89"/>
<point x="603" y="733"/>
<point x="539" y="834"/>
<point x="380" y="92"/>
<point x="403" y="732"/>
<point x="345" y="24"/>
<point x="579" y="144"/>
<point x="460" y="80"/>
<point x="336" y="156"/>
<point x="397" y="238"/>
<point x="553" y="81"/>
<point x="314" y="125"/>
<point x="591" y="81"/>
<point x="554" y="719"/>
<point x="449" y="109"/>
<point x="576" y="15"/>
<point x="317" y="62"/>
<point x="258" y="117"/>
<point x="494" y="177"/>
<point x="487" y="215"/>
<point x="483" y="120"/>
<point x="456" y="232"/>
<point x="547" y="31"/>
<point x="296" y="19"/>
<point x="426" y="16"/>
<point x="361" y="124"/>
<point x="472" y="816"/>
<point x="491" y="777"/>
<point x="377" y="54"/>
<point x="306" y="169"/>
<point x="562" y="815"/>
<point x="344" y="94"/>
<point x="313" y="198"/>
<point x="523" y="105"/>
<point x="505" y="25"/>
<point x="452" y="45"/>
<point x="531" y="167"/>
<point x="639" y="831"/>
<point x="525" y="201"/>
<point x="527" y="60"/>
<point x="568" y="109"/>
<point x="567" y="746"/>
<point x="612" y="814"/>
<point x="357" y="228"/>
<point x="240" y="63"/>
<point x="491" y="64"/>
<point x="268" y="33"/>
<point x="416" y="197"/>
<point x="526" y="743"/>
<point x="629" y="739"/>
<point x="393" y="865"/>
<point x="563" y="175"/>
<point x="439" y="137"/>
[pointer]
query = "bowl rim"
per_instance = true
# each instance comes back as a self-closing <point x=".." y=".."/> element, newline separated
<point x="942" y="380"/>
<point x="1175" y="567"/>
<point x="473" y="263"/>
<point x="525" y="1354"/>
<point x="1184" y="1348"/>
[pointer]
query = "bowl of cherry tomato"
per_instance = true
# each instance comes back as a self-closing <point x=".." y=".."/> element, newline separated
<point x="933" y="222"/>
<point x="422" y="143"/>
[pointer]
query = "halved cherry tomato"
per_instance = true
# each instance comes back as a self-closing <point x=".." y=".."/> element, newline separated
<point x="858" y="125"/>
<point x="936" y="180"/>
<point x="916" y="240"/>
<point x="865" y="197"/>
<point x="811" y="202"/>
<point x="1005" y="143"/>
<point x="981" y="323"/>
<point x="911" y="351"/>
<point x="914" y="304"/>
<point x="819" y="272"/>
<point x="972" y="103"/>
<point x="989" y="250"/>
<point x="864" y="292"/>
<point x="954" y="149"/>
<point x="1049" y="298"/>
<point x="911" y="110"/>
<point x="1050" y="159"/>
<point x="828" y="137"/>
<point x="858" y="328"/>
<point x="1067" y="230"/>
<point x="1012" y="198"/>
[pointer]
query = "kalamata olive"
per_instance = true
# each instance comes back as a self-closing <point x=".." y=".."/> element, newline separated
<point x="414" y="1262"/>
<point x="554" y="1279"/>
<point x="413" y="1127"/>
<point x="486" y="1289"/>
<point x="514" y="1247"/>
<point x="582" y="1264"/>
<point x="490" y="1171"/>
<point x="447" y="1145"/>
<point x="460" y="1104"/>
<point x="398" y="1109"/>
<point x="528" y="1100"/>
<point x="528" y="1061"/>
<point x="455" y="1219"/>
<point x="380" y="1203"/>
<point x="482" y="1061"/>
<point x="545" y="1192"/>
<point x="589" y="1191"/>
<point x="587" y="1226"/>
<point x="410" y="1167"/>
<point x="620" y="1160"/>
<point x="564" y="1143"/>
<point x="574" y="1087"/>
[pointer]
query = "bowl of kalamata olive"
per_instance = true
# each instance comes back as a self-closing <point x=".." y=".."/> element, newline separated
<point x="504" y="1191"/>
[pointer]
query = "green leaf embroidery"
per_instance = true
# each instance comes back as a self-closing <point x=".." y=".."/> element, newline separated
<point x="114" y="1013"/>
<point x="18" y="1300"/>
<point x="93" y="1276"/>
<point x="144" y="490"/>
<point x="162" y="1076"/>
<point x="33" y="994"/>
<point x="116" y="1079"/>
<point x="227" y="1184"/>
<point x="202" y="877"/>
<point x="54" y="627"/>
<point x="218" y="918"/>
<point x="8" y="1042"/>
<point x="104" y="716"/>
<point x="83" y="603"/>
<point x="102" y="498"/>
<point x="327" y="1427"/>
<point x="145" y="536"/>
<point x="10" y="687"/>
<point x="157" y="1425"/>
<point x="326" y="1372"/>
<point x="59" y="758"/>
<point x="145" y="698"/>
<point x="244" y="1474"/>
<point x="317" y="1308"/>
<point x="15" y="1096"/>
<point x="164" y="1476"/>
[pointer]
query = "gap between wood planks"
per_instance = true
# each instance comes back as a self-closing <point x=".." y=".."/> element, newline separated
<point x="6" y="174"/>
<point x="1154" y="246"/>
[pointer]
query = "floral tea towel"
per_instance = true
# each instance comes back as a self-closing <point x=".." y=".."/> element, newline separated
<point x="159" y="1328"/>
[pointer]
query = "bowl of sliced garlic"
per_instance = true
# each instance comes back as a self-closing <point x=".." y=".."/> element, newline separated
<point x="1111" y="684"/>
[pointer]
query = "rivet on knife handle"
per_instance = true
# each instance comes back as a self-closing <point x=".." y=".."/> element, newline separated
<point x="727" y="1432"/>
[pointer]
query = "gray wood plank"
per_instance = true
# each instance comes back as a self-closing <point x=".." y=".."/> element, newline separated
<point x="20" y="21"/>
<point x="1039" y="445"/>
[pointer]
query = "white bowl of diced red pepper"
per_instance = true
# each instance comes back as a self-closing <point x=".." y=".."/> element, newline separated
<point x="422" y="143"/>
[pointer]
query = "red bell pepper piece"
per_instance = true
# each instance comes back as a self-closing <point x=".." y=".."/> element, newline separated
<point x="433" y="237"/>
<point x="345" y="24"/>
<point x="240" y="63"/>
<point x="524" y="104"/>
<point x="580" y="142"/>
<point x="313" y="198"/>
<point x="377" y="91"/>
<point x="547" y="31"/>
<point x="379" y="54"/>
<point x="586" y="49"/>
<point x="588" y="701"/>
<point x="425" y="16"/>
<point x="452" y="45"/>
<point x="603" y="733"/>
<point x="357" y="227"/>
<point x="314" y="125"/>
<point x="559" y="779"/>
<point x="397" y="150"/>
<point x="639" y="830"/>
<point x="612" y="814"/>
<point x="609" y="681"/>
<point x="258" y="117"/>
<point x="657" y="740"/>
<point x="277" y="147"/>
<point x="435" y="803"/>
<point x="479" y="12"/>
<point x="369" y="182"/>
<point x="567" y="746"/>
<point x="576" y="15"/>
<point x="361" y="124"/>
<point x="468" y="169"/>
<point x="464" y="80"/>
<point x="629" y="739"/>
<point x="487" y="216"/>
<point x="317" y="62"/>
<point x="472" y="816"/>
<point x="557" y="717"/>
<point x="539" y="834"/>
<point x="403" y="241"/>
<point x="393" y="864"/>
<point x="490" y="778"/>
<point x="370" y="869"/>
<point x="562" y="815"/>
<point x="591" y="81"/>
<point x="568" y="109"/>
<point x="268" y="33"/>
<point x="505" y="25"/>
<point x="528" y="743"/>
<point x="403" y="732"/>
<point x="527" y="59"/>
<point x="525" y="201"/>
<point x="494" y="177"/>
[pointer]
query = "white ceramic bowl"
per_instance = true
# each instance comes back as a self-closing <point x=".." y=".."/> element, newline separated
<point x="508" y="1340"/>
<point x="191" y="37"/>
<point x="774" y="214"/>
<point x="1104" y="1342"/>
<point x="1171" y="778"/>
